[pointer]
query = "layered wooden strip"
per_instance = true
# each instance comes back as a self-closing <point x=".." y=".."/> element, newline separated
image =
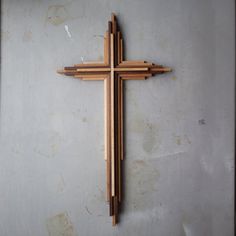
<point x="106" y="48"/>
<point x="114" y="23"/>
<point x="89" y="76"/>
<point x="119" y="59"/>
<point x="105" y="69"/>
<point x="135" y="64"/>
<point x="119" y="136"/>
<point x="105" y="120"/>
<point x="112" y="78"/>
<point x="121" y="121"/>
<point x="133" y="78"/>
<point x="107" y="141"/>
<point x="109" y="146"/>
<point x="158" y="69"/>
<point x="90" y="64"/>
<point x="133" y="75"/>
<point x="121" y="49"/>
<point x="132" y="69"/>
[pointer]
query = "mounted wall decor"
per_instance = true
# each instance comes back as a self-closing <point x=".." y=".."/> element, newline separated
<point x="113" y="71"/>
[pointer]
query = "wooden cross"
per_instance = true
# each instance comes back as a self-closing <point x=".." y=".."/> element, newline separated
<point x="114" y="71"/>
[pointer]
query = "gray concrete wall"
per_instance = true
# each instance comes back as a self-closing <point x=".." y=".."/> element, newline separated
<point x="179" y="160"/>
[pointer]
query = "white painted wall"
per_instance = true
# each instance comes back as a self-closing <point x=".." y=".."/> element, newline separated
<point x="179" y="163"/>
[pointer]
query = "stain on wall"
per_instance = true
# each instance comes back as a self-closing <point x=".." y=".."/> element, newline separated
<point x="57" y="14"/>
<point x="143" y="178"/>
<point x="149" y="131"/>
<point x="150" y="138"/>
<point x="60" y="225"/>
<point x="201" y="122"/>
<point x="27" y="36"/>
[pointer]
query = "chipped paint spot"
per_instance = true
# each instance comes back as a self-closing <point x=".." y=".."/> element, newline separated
<point x="202" y="122"/>
<point x="174" y="78"/>
<point x="60" y="225"/>
<point x="57" y="14"/>
<point x="89" y="212"/>
<point x="67" y="31"/>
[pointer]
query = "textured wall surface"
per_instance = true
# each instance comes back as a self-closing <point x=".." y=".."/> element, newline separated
<point x="179" y="127"/>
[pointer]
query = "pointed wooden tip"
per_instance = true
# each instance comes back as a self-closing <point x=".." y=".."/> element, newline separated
<point x="160" y="69"/>
<point x="167" y="69"/>
<point x="60" y="71"/>
<point x="113" y="16"/>
<point x="114" y="220"/>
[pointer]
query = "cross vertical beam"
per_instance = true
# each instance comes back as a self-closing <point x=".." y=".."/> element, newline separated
<point x="114" y="70"/>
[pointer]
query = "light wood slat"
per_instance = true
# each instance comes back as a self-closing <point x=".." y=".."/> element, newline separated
<point x="121" y="120"/>
<point x="114" y="25"/>
<point x="92" y="64"/>
<point x="131" y="65"/>
<point x="131" y="75"/>
<point x="133" y="78"/>
<point x="120" y="69"/>
<point x="109" y="140"/>
<point x="105" y="119"/>
<point x="106" y="49"/>
<point x="121" y="49"/>
<point x="133" y="62"/>
<point x="119" y="138"/>
<point x="160" y="69"/>
<point x="106" y="134"/>
<point x="92" y="79"/>
<point x="62" y="71"/>
<point x="114" y="217"/>
<point x="114" y="220"/>
<point x="101" y="75"/>
<point x="94" y="70"/>
<point x="118" y="48"/>
<point x="112" y="117"/>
